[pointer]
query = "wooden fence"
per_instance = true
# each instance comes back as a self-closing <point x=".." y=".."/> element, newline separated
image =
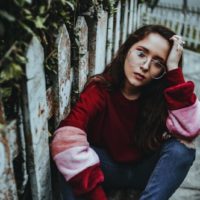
<point x="185" y="24"/>
<point x="24" y="142"/>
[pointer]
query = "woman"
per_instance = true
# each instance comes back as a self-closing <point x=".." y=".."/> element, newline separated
<point x="134" y="124"/>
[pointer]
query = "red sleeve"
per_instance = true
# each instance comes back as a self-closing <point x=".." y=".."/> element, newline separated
<point x="91" y="101"/>
<point x="175" y="77"/>
<point x="179" y="94"/>
<point x="87" y="184"/>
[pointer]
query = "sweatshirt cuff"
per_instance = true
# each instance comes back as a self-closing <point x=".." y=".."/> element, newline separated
<point x="180" y="96"/>
<point x="175" y="77"/>
<point x="87" y="180"/>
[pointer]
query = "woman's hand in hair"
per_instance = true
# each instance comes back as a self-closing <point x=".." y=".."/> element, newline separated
<point x="175" y="53"/>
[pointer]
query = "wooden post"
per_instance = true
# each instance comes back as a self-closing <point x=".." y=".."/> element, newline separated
<point x="117" y="28"/>
<point x="8" y="150"/>
<point x="125" y="22"/>
<point x="82" y="29"/>
<point x="97" y="42"/>
<point x="35" y="117"/>
<point x="130" y="21"/>
<point x="109" y="38"/>
<point x="63" y="80"/>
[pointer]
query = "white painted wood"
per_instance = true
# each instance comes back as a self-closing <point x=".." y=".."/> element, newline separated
<point x="110" y="38"/>
<point x="117" y="28"/>
<point x="130" y="17"/>
<point x="125" y="22"/>
<point x="97" y="32"/>
<point x="63" y="85"/>
<point x="135" y="15"/>
<point x="187" y="26"/>
<point x="101" y="42"/>
<point x="83" y="70"/>
<point x="3" y="159"/>
<point x="36" y="130"/>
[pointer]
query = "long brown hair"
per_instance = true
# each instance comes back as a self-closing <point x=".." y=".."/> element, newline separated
<point x="153" y="111"/>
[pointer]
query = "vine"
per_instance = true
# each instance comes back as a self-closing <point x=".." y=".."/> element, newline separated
<point x="22" y="19"/>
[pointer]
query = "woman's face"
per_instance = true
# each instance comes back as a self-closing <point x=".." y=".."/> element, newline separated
<point x="145" y="60"/>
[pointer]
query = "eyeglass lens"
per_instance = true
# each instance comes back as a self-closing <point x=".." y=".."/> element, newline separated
<point x="138" y="57"/>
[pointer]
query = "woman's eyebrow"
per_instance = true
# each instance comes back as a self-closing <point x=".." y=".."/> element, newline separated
<point x="147" y="51"/>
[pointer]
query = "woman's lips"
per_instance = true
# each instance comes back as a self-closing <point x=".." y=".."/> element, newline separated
<point x="139" y="76"/>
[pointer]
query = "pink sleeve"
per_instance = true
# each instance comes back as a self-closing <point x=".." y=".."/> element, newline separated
<point x="78" y="163"/>
<point x="185" y="122"/>
<point x="183" y="106"/>
<point x="75" y="159"/>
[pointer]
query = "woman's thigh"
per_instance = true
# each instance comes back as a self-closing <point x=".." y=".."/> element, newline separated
<point x="120" y="175"/>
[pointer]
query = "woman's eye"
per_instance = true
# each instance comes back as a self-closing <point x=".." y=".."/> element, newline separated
<point x="158" y="64"/>
<point x="141" y="54"/>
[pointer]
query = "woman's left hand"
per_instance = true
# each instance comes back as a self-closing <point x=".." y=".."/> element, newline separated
<point x="188" y="144"/>
<point x="175" y="53"/>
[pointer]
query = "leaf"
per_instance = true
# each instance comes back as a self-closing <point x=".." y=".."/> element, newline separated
<point x="7" y="16"/>
<point x="2" y="126"/>
<point x="42" y="10"/>
<point x="39" y="22"/>
<point x="16" y="70"/>
<point x="26" y="11"/>
<point x="12" y="71"/>
<point x="70" y="5"/>
<point x="21" y="59"/>
<point x="21" y="2"/>
<point x="25" y="27"/>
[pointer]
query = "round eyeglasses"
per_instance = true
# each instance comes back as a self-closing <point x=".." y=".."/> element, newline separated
<point x="156" y="69"/>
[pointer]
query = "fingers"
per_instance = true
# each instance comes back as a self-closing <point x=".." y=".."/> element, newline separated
<point x="178" y="42"/>
<point x="187" y="143"/>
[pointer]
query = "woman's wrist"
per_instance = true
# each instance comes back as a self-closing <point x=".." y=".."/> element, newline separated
<point x="172" y="66"/>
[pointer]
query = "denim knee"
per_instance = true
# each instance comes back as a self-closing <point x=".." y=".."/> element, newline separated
<point x="179" y="152"/>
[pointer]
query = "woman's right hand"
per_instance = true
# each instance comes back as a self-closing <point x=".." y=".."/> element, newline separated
<point x="175" y="53"/>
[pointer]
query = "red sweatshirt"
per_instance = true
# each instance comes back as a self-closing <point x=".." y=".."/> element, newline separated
<point x="108" y="120"/>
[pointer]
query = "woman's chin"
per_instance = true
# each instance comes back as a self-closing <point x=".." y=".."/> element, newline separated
<point x="137" y="83"/>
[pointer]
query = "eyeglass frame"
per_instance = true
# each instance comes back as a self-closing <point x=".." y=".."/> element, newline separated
<point x="146" y="59"/>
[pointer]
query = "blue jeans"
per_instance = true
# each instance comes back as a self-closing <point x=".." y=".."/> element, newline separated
<point x="158" y="175"/>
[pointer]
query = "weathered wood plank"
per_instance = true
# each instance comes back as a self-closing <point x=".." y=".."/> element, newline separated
<point x="35" y="116"/>
<point x="64" y="75"/>
<point x="117" y="28"/>
<point x="8" y="149"/>
<point x="23" y="152"/>
<point x="97" y="42"/>
<point x="101" y="42"/>
<point x="135" y="14"/>
<point x="83" y="70"/>
<point x="51" y="104"/>
<point x="109" y="39"/>
<point x="130" y="16"/>
<point x="125" y="21"/>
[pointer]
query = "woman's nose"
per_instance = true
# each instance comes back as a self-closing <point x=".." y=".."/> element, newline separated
<point x="145" y="65"/>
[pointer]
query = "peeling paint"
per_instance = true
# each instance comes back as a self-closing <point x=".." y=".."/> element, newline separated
<point x="2" y="160"/>
<point x="37" y="132"/>
<point x="83" y="52"/>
